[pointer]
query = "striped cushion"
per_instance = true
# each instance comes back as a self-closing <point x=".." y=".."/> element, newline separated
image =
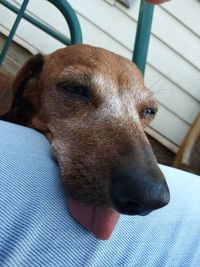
<point x="37" y="230"/>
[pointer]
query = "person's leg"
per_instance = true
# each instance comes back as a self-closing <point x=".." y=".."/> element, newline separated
<point x="37" y="230"/>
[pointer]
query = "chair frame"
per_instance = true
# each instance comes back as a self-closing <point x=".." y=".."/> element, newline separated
<point x="64" y="8"/>
<point x="142" y="35"/>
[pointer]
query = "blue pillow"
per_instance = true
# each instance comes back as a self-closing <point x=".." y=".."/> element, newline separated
<point x="37" y="230"/>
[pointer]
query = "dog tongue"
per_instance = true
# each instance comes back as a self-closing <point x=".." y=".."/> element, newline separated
<point x="99" y="221"/>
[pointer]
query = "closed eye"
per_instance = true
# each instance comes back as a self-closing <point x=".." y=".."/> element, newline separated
<point x="75" y="90"/>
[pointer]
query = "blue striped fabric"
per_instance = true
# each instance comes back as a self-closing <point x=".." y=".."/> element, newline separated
<point x="37" y="230"/>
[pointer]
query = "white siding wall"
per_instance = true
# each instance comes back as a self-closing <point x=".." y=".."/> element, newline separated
<point x="173" y="62"/>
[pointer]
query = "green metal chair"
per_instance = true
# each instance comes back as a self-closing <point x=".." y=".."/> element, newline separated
<point x="65" y="9"/>
<point x="143" y="35"/>
<point x="141" y="40"/>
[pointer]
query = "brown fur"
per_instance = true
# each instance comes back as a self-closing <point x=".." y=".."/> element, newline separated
<point x="90" y="135"/>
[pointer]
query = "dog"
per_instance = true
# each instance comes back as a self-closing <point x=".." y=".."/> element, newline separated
<point x="93" y="107"/>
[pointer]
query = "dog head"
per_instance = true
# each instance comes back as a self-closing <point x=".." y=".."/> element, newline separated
<point x="93" y="107"/>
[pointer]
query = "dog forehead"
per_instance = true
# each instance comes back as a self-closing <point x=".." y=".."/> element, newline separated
<point x="110" y="75"/>
<point x="97" y="59"/>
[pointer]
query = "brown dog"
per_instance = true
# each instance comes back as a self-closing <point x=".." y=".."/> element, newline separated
<point x="93" y="107"/>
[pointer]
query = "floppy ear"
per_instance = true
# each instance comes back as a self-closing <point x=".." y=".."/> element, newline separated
<point x="25" y="92"/>
<point x="5" y="93"/>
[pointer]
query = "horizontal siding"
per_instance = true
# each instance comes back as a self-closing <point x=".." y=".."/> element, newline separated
<point x="175" y="68"/>
<point x="166" y="122"/>
<point x="172" y="74"/>
<point x="168" y="94"/>
<point x="187" y="12"/>
<point x="173" y="32"/>
<point x="177" y="36"/>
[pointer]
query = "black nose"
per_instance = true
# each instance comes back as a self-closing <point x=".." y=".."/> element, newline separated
<point x="138" y="191"/>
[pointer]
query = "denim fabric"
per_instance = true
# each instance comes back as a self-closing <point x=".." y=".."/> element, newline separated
<point x="37" y="230"/>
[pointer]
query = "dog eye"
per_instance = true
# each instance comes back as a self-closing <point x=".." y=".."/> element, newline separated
<point x="76" y="90"/>
<point x="149" y="113"/>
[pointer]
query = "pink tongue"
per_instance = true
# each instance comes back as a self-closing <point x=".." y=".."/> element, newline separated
<point x="99" y="221"/>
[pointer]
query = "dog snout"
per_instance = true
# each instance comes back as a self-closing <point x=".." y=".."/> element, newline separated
<point x="135" y="192"/>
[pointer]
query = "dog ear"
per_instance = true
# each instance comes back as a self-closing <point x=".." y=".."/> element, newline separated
<point x="25" y="93"/>
<point x="5" y="93"/>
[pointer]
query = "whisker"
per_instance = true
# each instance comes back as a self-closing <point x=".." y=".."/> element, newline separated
<point x="160" y="91"/>
<point x="156" y="82"/>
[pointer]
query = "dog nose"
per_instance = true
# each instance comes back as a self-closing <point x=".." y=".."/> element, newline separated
<point x="135" y="192"/>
